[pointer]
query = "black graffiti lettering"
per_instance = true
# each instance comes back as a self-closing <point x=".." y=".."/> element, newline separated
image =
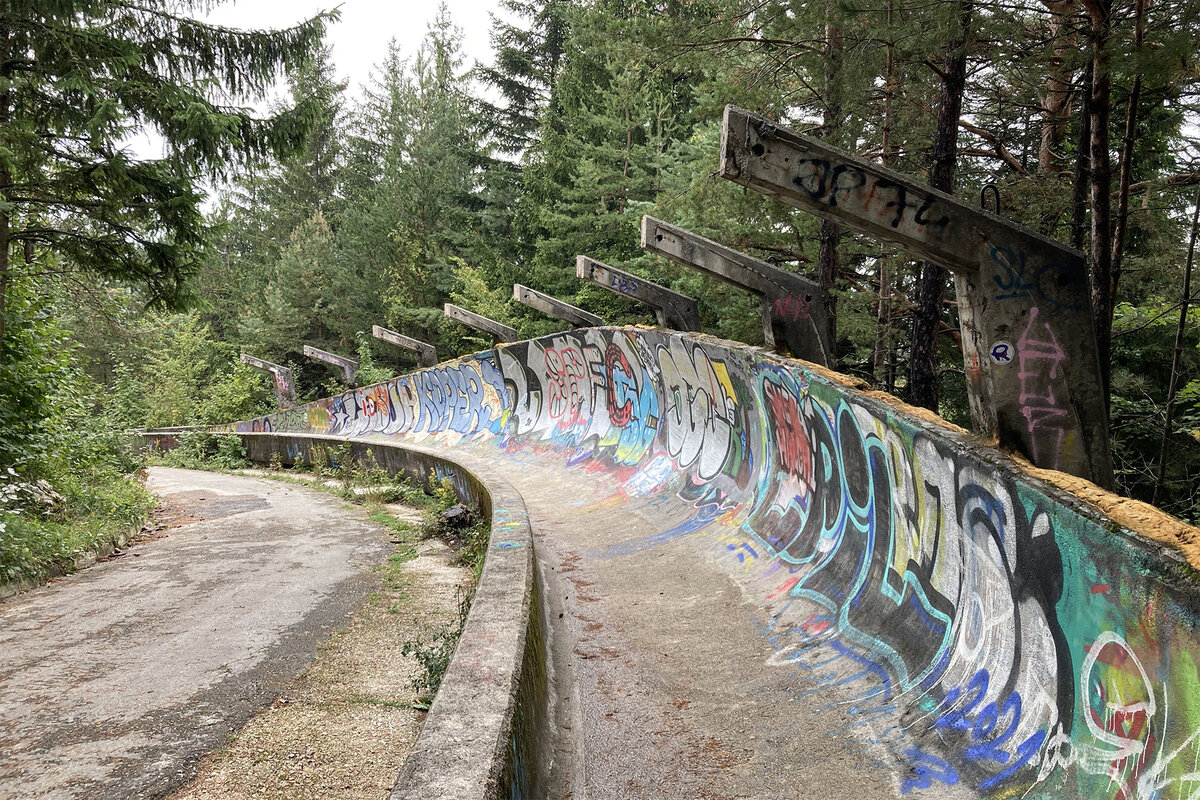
<point x="811" y="182"/>
<point x="846" y="179"/>
<point x="900" y="203"/>
<point x="920" y="218"/>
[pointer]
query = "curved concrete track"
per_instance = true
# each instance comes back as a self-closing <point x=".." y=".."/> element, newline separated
<point x="114" y="681"/>
<point x="659" y="657"/>
<point x="758" y="581"/>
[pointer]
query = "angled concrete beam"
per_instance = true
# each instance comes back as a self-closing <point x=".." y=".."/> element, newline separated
<point x="555" y="307"/>
<point x="349" y="367"/>
<point x="793" y="307"/>
<point x="281" y="377"/>
<point x="672" y="309"/>
<point x="1032" y="364"/>
<point x="500" y="333"/>
<point x="426" y="353"/>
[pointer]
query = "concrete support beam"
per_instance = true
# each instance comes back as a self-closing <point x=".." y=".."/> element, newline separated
<point x="1029" y="344"/>
<point x="281" y="378"/>
<point x="349" y="367"/>
<point x="672" y="309"/>
<point x="555" y="307"/>
<point x="426" y="353"/>
<point x="793" y="306"/>
<point x="500" y="333"/>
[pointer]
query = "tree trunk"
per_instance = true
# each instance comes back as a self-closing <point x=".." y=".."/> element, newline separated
<point x="1056" y="101"/>
<point x="931" y="290"/>
<point x="1083" y="162"/>
<point x="1177" y="356"/>
<point x="883" y="306"/>
<point x="883" y="322"/>
<point x="830" y="234"/>
<point x="5" y="235"/>
<point x="1125" y="165"/>
<point x="1101" y="249"/>
<point x="6" y="180"/>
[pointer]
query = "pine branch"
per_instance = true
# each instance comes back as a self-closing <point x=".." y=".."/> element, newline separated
<point x="1001" y="151"/>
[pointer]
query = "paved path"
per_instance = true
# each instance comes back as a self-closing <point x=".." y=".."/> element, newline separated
<point x="114" y="681"/>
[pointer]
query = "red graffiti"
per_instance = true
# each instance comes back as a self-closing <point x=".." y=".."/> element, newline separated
<point x="786" y="586"/>
<point x="568" y="378"/>
<point x="793" y="307"/>
<point x="791" y="439"/>
<point x="615" y="360"/>
<point x="375" y="401"/>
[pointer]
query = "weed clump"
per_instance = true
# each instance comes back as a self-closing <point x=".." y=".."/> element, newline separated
<point x="434" y="647"/>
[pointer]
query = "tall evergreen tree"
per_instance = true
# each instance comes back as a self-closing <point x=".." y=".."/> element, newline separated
<point x="413" y="180"/>
<point x="264" y="208"/>
<point x="527" y="62"/>
<point x="77" y="77"/>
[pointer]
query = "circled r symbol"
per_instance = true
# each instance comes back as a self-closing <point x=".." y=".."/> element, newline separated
<point x="1002" y="353"/>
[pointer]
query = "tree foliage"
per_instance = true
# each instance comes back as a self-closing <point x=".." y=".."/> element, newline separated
<point x="444" y="181"/>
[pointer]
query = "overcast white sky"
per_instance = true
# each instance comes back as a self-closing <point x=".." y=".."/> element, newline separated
<point x="360" y="37"/>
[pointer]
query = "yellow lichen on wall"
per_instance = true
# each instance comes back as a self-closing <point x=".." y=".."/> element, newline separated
<point x="1140" y="518"/>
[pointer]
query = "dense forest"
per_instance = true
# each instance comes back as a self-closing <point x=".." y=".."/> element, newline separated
<point x="129" y="286"/>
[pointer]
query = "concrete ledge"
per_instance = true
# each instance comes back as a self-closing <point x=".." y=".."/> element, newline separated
<point x="466" y="746"/>
<point x="499" y="332"/>
<point x="78" y="561"/>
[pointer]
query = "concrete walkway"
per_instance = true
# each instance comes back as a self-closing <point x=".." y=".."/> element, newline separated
<point x="114" y="681"/>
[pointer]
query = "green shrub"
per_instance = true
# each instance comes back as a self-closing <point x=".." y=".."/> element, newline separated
<point x="91" y="508"/>
<point x="201" y="449"/>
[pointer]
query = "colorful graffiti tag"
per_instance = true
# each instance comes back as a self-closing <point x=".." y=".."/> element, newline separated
<point x="978" y="629"/>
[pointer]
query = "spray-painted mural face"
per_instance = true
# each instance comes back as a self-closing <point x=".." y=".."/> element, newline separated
<point x="984" y="632"/>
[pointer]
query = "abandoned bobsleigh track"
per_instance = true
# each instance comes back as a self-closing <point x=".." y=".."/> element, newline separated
<point x="715" y="572"/>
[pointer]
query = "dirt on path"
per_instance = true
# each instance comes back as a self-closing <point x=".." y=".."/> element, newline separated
<point x="344" y="727"/>
<point x="116" y="681"/>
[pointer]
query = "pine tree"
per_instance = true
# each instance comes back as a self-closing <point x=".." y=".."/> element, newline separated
<point x="76" y="78"/>
<point x="292" y="190"/>
<point x="619" y="108"/>
<point x="412" y="181"/>
<point x="526" y="68"/>
<point x="261" y="210"/>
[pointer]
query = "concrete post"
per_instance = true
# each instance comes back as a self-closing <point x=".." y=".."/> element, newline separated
<point x="555" y="307"/>
<point x="671" y="309"/>
<point x="500" y="333"/>
<point x="349" y="367"/>
<point x="426" y="353"/>
<point x="793" y="306"/>
<point x="281" y="377"/>
<point x="1029" y="344"/>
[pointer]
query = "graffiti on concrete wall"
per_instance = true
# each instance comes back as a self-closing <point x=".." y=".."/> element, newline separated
<point x="974" y="628"/>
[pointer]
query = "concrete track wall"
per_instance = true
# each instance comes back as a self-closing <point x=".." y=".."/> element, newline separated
<point x="978" y="627"/>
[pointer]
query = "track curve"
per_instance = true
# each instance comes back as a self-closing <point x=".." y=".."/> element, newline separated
<point x="975" y="631"/>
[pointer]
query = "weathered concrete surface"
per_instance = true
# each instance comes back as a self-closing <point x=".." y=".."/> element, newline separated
<point x="793" y="307"/>
<point x="1029" y="344"/>
<point x="753" y="555"/>
<point x="281" y="380"/>
<point x="348" y="366"/>
<point x="671" y="309"/>
<point x="555" y="307"/>
<point x="498" y="331"/>
<point x="667" y="658"/>
<point x="426" y="353"/>
<point x="114" y="681"/>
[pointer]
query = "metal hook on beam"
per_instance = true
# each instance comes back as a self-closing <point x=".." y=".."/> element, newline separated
<point x="995" y="196"/>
